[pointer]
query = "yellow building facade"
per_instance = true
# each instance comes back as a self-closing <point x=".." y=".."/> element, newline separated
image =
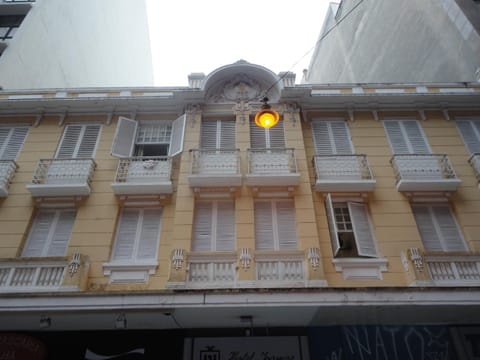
<point x="168" y="208"/>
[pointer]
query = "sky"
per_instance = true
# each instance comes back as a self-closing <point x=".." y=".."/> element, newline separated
<point x="193" y="36"/>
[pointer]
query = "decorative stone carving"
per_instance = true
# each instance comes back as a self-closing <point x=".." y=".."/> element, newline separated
<point x="74" y="264"/>
<point x="178" y="257"/>
<point x="245" y="258"/>
<point x="291" y="109"/>
<point x="417" y="258"/>
<point x="240" y="87"/>
<point x="313" y="255"/>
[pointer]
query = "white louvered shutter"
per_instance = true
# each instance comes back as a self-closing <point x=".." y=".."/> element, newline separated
<point x="406" y="137"/>
<point x="225" y="231"/>
<point x="426" y="228"/>
<point x="261" y="138"/>
<point x="178" y="132"/>
<point x="126" y="234"/>
<point x="208" y="136"/>
<point x="451" y="237"/>
<point x="227" y="134"/>
<point x="149" y="234"/>
<point x="50" y="233"/>
<point x="362" y="229"/>
<point x="285" y="225"/>
<point x="332" y="225"/>
<point x="257" y="137"/>
<point x="331" y="138"/>
<point x="202" y="226"/>
<point x="124" y="139"/>
<point x="78" y="141"/>
<point x="263" y="225"/>
<point x="11" y="141"/>
<point x="470" y="131"/>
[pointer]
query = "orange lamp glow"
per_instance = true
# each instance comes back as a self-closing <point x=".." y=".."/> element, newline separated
<point x="266" y="117"/>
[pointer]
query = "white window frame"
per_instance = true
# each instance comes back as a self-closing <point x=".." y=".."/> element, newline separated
<point x="330" y="123"/>
<point x="79" y="139"/>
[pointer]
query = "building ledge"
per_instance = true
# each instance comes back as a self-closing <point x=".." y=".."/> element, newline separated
<point x="123" y="272"/>
<point x="361" y="268"/>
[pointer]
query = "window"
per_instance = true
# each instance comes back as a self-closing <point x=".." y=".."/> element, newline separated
<point x="351" y="231"/>
<point x="214" y="226"/>
<point x="406" y="137"/>
<point x="149" y="138"/>
<point x="470" y="131"/>
<point x="331" y="137"/>
<point x="438" y="228"/>
<point x="11" y="141"/>
<point x="78" y="141"/>
<point x="267" y="138"/>
<point x="50" y="233"/>
<point x="217" y="134"/>
<point x="138" y="234"/>
<point x="275" y="225"/>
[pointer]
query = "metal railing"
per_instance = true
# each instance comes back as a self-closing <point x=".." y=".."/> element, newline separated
<point x="32" y="275"/>
<point x="215" y="162"/>
<point x="7" y="169"/>
<point x="342" y="167"/>
<point x="422" y="167"/>
<point x="144" y="169"/>
<point x="272" y="161"/>
<point x="64" y="171"/>
<point x="454" y="268"/>
<point x="474" y="161"/>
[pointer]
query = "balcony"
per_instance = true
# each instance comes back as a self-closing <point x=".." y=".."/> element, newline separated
<point x="343" y="173"/>
<point x="474" y="161"/>
<point x="280" y="269"/>
<point x="7" y="170"/>
<point x="143" y="175"/>
<point x="272" y="167"/>
<point x="211" y="270"/>
<point x="454" y="270"/>
<point x="424" y="172"/>
<point x="62" y="177"/>
<point x="215" y="168"/>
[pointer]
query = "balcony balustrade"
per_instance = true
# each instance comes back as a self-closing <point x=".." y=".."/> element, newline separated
<point x="424" y="172"/>
<point x="211" y="270"/>
<point x="143" y="175"/>
<point x="343" y="173"/>
<point x="474" y="161"/>
<point x="215" y="168"/>
<point x="62" y="177"/>
<point x="272" y="167"/>
<point x="280" y="269"/>
<point x="7" y="170"/>
<point x="454" y="270"/>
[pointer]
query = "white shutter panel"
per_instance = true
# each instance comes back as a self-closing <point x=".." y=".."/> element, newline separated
<point x="225" y="232"/>
<point x="227" y="134"/>
<point x="208" y="136"/>
<point x="149" y="234"/>
<point x="451" y="237"/>
<point x="39" y="233"/>
<point x="88" y="141"/>
<point x="341" y="138"/>
<point x="11" y="141"/>
<point x="362" y="230"/>
<point x="178" y="132"/>
<point x="68" y="144"/>
<point x="286" y="229"/>
<point x="396" y="138"/>
<point x="263" y="225"/>
<point x="61" y="233"/>
<point x="415" y="136"/>
<point x="126" y="234"/>
<point x="202" y="226"/>
<point x="321" y="138"/>
<point x="257" y="136"/>
<point x="332" y="225"/>
<point x="426" y="228"/>
<point x="276" y="136"/>
<point x="470" y="135"/>
<point x="124" y="139"/>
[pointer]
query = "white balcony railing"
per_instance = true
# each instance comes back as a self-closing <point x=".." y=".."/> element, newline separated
<point x="474" y="161"/>
<point x="424" y="172"/>
<point x="62" y="177"/>
<point x="454" y="270"/>
<point x="272" y="167"/>
<point x="280" y="269"/>
<point x="31" y="276"/>
<point x="211" y="270"/>
<point x="143" y="175"/>
<point x="219" y="167"/>
<point x="7" y="169"/>
<point x="343" y="173"/>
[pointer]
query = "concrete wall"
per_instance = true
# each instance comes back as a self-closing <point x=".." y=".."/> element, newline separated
<point x="84" y="43"/>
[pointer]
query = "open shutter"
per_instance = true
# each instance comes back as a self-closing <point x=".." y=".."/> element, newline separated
<point x="286" y="228"/>
<point x="362" y="229"/>
<point x="470" y="131"/>
<point x="126" y="234"/>
<point x="332" y="225"/>
<point x="451" y="237"/>
<point x="227" y="134"/>
<point x="426" y="228"/>
<point x="39" y="233"/>
<point x="88" y="141"/>
<point x="11" y="141"/>
<point x="178" y="132"/>
<point x="61" y="233"/>
<point x="124" y="139"/>
<point x="69" y="141"/>
<point x="263" y="225"/>
<point x="202" y="226"/>
<point x="149" y="234"/>
<point x="225" y="232"/>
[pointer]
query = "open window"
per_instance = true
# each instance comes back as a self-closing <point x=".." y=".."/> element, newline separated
<point x="148" y="138"/>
